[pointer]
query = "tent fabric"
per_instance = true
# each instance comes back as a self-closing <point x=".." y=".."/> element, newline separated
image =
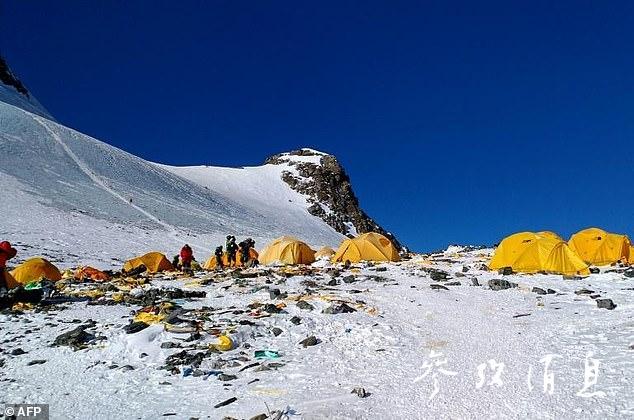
<point x="550" y="234"/>
<point x="211" y="264"/>
<point x="153" y="261"/>
<point x="287" y="250"/>
<point x="598" y="247"/>
<point x="529" y="252"/>
<point x="35" y="269"/>
<point x="325" y="252"/>
<point x="90" y="273"/>
<point x="366" y="247"/>
<point x="8" y="278"/>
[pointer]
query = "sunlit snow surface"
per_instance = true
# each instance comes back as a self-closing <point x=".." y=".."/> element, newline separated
<point x="386" y="352"/>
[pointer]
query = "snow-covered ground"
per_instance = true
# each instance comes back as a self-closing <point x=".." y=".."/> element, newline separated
<point x="500" y="348"/>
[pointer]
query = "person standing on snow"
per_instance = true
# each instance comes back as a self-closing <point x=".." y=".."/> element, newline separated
<point x="187" y="255"/>
<point x="245" y="248"/>
<point x="6" y="253"/>
<point x="244" y="252"/>
<point x="232" y="250"/>
<point x="218" y="255"/>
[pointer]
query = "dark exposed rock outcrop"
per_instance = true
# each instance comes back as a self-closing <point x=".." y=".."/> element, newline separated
<point x="328" y="190"/>
<point x="9" y="79"/>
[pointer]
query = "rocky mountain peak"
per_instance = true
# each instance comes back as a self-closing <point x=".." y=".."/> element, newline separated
<point x="321" y="178"/>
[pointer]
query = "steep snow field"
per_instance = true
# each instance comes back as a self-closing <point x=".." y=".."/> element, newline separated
<point x="261" y="190"/>
<point x="401" y="328"/>
<point x="76" y="199"/>
<point x="9" y="95"/>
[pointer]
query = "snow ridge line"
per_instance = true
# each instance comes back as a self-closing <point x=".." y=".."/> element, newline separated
<point x="97" y="180"/>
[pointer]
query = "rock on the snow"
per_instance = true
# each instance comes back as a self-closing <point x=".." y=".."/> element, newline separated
<point x="341" y="308"/>
<point x="302" y="304"/>
<point x="309" y="341"/>
<point x="76" y="338"/>
<point x="500" y="284"/>
<point x="605" y="304"/>
<point x="361" y="392"/>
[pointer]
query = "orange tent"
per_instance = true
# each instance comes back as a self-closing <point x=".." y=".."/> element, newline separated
<point x="90" y="273"/>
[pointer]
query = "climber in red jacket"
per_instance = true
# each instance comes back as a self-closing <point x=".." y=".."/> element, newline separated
<point x="187" y="256"/>
<point x="6" y="253"/>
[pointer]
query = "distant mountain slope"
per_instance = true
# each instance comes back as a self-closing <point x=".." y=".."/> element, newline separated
<point x="71" y="197"/>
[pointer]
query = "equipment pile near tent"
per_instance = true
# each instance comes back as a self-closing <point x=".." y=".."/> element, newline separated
<point x="325" y="252"/>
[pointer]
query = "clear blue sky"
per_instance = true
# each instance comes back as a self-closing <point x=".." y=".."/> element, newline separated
<point x="458" y="122"/>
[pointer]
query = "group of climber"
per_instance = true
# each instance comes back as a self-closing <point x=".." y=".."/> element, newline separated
<point x="232" y="249"/>
<point x="227" y="257"/>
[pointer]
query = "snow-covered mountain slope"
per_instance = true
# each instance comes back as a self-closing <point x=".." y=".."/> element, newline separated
<point x="54" y="175"/>
<point x="75" y="199"/>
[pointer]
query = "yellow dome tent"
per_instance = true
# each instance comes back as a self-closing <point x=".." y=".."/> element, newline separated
<point x="35" y="269"/>
<point x="366" y="247"/>
<point x="153" y="261"/>
<point x="598" y="247"/>
<point x="529" y="252"/>
<point x="550" y="234"/>
<point x="287" y="250"/>
<point x="324" y="252"/>
<point x="210" y="264"/>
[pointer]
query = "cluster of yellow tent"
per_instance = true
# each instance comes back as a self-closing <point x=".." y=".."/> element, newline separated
<point x="288" y="250"/>
<point x="530" y="252"/>
<point x="285" y="251"/>
<point x="524" y="252"/>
